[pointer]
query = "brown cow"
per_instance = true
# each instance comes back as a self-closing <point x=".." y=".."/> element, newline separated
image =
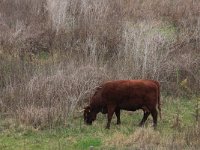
<point x="128" y="95"/>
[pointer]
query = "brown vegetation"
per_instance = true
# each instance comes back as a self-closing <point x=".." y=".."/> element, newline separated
<point x="147" y="138"/>
<point x="53" y="53"/>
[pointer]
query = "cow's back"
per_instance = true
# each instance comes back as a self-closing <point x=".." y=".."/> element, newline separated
<point x="130" y="93"/>
<point x="127" y="88"/>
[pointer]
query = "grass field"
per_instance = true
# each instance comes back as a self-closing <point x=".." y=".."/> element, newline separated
<point x="178" y="129"/>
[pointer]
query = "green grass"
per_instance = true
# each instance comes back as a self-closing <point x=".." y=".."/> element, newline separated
<point x="77" y="135"/>
<point x="86" y="142"/>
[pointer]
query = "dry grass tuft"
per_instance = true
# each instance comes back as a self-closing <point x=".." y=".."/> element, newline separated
<point x="147" y="138"/>
<point x="118" y="140"/>
<point x="144" y="136"/>
<point x="140" y="138"/>
<point x="192" y="136"/>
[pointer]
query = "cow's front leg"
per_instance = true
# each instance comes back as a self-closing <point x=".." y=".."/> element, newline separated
<point x="117" y="113"/>
<point x="111" y="110"/>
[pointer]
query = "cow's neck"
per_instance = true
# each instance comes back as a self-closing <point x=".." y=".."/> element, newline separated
<point x="96" y="108"/>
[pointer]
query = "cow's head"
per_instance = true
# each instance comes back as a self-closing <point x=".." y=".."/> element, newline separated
<point x="89" y="115"/>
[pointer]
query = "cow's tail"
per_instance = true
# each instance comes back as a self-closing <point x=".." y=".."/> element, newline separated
<point x="159" y="104"/>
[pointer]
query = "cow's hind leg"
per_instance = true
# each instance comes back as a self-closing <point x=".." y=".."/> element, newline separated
<point x="117" y="113"/>
<point x="111" y="110"/>
<point x="154" y="114"/>
<point x="146" y="114"/>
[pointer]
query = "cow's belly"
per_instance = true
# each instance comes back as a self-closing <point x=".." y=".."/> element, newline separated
<point x="129" y="107"/>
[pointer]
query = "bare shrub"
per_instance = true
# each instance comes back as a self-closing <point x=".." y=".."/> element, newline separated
<point x="49" y="98"/>
<point x="38" y="117"/>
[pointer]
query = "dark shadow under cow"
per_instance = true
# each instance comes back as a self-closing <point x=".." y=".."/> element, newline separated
<point x="130" y="95"/>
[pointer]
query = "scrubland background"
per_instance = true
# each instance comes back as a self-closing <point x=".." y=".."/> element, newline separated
<point x="53" y="53"/>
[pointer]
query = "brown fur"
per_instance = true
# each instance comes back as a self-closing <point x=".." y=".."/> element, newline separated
<point x="127" y="95"/>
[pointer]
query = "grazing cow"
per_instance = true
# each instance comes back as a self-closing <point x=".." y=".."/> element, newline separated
<point x="130" y="95"/>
